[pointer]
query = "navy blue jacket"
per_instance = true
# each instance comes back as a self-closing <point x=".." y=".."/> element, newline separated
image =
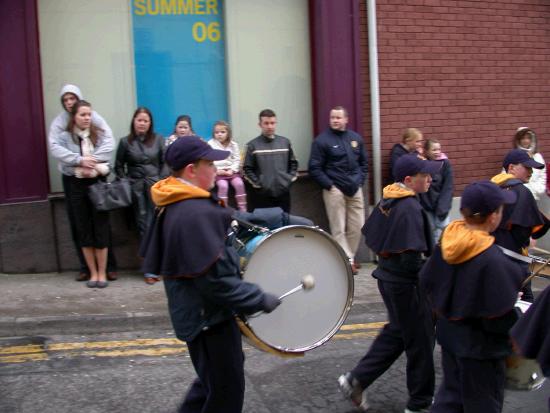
<point x="339" y="158"/>
<point x="439" y="197"/>
<point x="398" y="232"/>
<point x="195" y="304"/>
<point x="187" y="245"/>
<point x="397" y="151"/>
<point x="520" y="219"/>
<point x="474" y="302"/>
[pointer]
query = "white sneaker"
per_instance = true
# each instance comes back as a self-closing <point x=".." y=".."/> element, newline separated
<point x="352" y="390"/>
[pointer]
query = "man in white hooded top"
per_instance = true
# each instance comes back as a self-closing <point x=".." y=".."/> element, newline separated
<point x="70" y="94"/>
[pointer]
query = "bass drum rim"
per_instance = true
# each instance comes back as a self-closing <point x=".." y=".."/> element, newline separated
<point x="348" y="301"/>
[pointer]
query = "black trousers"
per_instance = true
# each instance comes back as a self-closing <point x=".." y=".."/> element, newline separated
<point x="218" y="358"/>
<point x="256" y="199"/>
<point x="410" y="330"/>
<point x="470" y="386"/>
<point x="111" y="260"/>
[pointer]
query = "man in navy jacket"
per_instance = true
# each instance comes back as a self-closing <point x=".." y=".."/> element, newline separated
<point x="338" y="163"/>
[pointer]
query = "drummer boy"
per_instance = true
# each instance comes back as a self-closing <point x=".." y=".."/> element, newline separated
<point x="522" y="220"/>
<point x="398" y="231"/>
<point x="472" y="287"/>
<point x="187" y="246"/>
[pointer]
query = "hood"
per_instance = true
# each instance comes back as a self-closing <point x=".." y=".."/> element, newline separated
<point x="395" y="191"/>
<point x="502" y="178"/>
<point x="460" y="243"/>
<point x="68" y="88"/>
<point x="170" y="190"/>
<point x="520" y="133"/>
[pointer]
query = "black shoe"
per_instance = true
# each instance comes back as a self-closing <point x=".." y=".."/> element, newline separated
<point x="102" y="284"/>
<point x="91" y="284"/>
<point x="112" y="276"/>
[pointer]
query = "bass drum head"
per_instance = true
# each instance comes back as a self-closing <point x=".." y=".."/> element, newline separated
<point x="305" y="319"/>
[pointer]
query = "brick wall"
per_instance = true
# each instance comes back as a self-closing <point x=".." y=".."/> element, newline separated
<point x="465" y="72"/>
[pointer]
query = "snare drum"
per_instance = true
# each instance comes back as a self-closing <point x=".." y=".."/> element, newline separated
<point x="276" y="261"/>
<point x="523" y="373"/>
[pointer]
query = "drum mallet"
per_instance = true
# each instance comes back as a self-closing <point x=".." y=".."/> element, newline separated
<point x="308" y="282"/>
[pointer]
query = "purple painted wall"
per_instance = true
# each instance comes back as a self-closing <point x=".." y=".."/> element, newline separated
<point x="23" y="162"/>
<point x="335" y="60"/>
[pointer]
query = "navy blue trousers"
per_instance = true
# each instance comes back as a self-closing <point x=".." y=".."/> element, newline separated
<point x="470" y="385"/>
<point x="217" y="355"/>
<point x="410" y="330"/>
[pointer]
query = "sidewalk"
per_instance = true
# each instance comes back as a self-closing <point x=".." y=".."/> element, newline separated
<point x="46" y="304"/>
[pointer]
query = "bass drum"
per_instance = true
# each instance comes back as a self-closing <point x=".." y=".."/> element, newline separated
<point x="276" y="261"/>
<point x="523" y="373"/>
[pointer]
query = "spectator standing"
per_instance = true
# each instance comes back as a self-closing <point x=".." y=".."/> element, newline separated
<point x="83" y="152"/>
<point x="70" y="94"/>
<point x="270" y="166"/>
<point x="183" y="127"/>
<point x="525" y="139"/>
<point x="227" y="170"/>
<point x="338" y="163"/>
<point x="439" y="198"/>
<point x="140" y="157"/>
<point x="410" y="142"/>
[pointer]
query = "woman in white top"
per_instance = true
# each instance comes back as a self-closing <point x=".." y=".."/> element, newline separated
<point x="228" y="169"/>
<point x="526" y="139"/>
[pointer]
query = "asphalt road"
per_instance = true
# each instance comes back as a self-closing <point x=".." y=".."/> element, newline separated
<point x="149" y="371"/>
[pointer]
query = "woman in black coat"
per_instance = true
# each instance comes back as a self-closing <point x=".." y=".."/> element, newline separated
<point x="140" y="157"/>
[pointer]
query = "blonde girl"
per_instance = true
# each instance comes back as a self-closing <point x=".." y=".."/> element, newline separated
<point x="228" y="169"/>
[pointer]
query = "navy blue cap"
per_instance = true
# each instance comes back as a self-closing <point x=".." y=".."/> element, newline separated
<point x="188" y="149"/>
<point x="484" y="197"/>
<point x="412" y="164"/>
<point x="519" y="156"/>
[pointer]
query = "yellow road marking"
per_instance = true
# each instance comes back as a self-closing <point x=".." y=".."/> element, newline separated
<point x="365" y="326"/>
<point x="135" y="352"/>
<point x="29" y="348"/>
<point x="351" y="336"/>
<point x="123" y="348"/>
<point x="111" y="344"/>
<point x="23" y="358"/>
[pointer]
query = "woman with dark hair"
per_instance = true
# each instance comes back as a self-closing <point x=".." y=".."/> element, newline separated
<point x="140" y="157"/>
<point x="83" y="152"/>
<point x="183" y="127"/>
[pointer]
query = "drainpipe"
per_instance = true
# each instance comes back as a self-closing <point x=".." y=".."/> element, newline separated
<point x="374" y="99"/>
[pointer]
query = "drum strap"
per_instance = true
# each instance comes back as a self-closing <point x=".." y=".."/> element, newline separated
<point x="528" y="260"/>
<point x="515" y="255"/>
<point x="256" y="342"/>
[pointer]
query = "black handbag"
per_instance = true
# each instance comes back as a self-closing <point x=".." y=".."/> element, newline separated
<point x="106" y="196"/>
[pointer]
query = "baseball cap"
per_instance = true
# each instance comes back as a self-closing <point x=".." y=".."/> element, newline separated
<point x="412" y="164"/>
<point x="189" y="149"/>
<point x="484" y="197"/>
<point x="519" y="156"/>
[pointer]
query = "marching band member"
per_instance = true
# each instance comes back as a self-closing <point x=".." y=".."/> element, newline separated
<point x="522" y="220"/>
<point x="187" y="246"/>
<point x="472" y="287"/>
<point x="531" y="334"/>
<point x="398" y="231"/>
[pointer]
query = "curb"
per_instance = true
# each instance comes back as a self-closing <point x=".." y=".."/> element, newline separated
<point x="83" y="324"/>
